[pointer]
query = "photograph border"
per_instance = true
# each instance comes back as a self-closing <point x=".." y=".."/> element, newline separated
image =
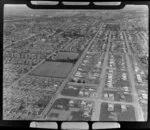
<point x="25" y="124"/>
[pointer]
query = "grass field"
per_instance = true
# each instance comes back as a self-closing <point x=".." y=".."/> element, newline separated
<point x="52" y="69"/>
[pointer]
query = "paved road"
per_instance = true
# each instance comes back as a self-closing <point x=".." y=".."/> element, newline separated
<point x="72" y="41"/>
<point x="134" y="56"/>
<point x="83" y="84"/>
<point x="146" y="40"/>
<point x="96" y="100"/>
<point x="93" y="53"/>
<point x="24" y="75"/>
<point x="16" y="82"/>
<point x="14" y="20"/>
<point x="138" y="110"/>
<point x="42" y="61"/>
<point x="143" y="43"/>
<point x="26" y="38"/>
<point x="49" y="34"/>
<point x="9" y="45"/>
<point x="96" y="111"/>
<point x="48" y="107"/>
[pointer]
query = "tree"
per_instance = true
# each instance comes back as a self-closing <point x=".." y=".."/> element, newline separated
<point x="79" y="81"/>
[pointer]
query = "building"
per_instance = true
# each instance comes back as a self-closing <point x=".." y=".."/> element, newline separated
<point x="110" y="107"/>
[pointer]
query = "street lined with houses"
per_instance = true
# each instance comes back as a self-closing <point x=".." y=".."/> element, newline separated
<point x="88" y="66"/>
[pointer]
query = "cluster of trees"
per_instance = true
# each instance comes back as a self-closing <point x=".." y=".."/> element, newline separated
<point x="63" y="60"/>
<point x="67" y="60"/>
<point x="144" y="59"/>
<point x="72" y="34"/>
<point x="113" y="27"/>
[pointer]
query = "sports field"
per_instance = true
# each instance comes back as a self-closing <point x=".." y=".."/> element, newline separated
<point x="52" y="69"/>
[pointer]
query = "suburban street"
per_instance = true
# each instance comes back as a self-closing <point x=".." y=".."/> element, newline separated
<point x="79" y="65"/>
<point x="47" y="109"/>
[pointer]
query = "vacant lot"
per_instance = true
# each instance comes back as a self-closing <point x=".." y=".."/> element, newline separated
<point x="52" y="69"/>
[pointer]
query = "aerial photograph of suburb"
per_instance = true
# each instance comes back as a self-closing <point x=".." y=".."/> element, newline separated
<point x="75" y="65"/>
